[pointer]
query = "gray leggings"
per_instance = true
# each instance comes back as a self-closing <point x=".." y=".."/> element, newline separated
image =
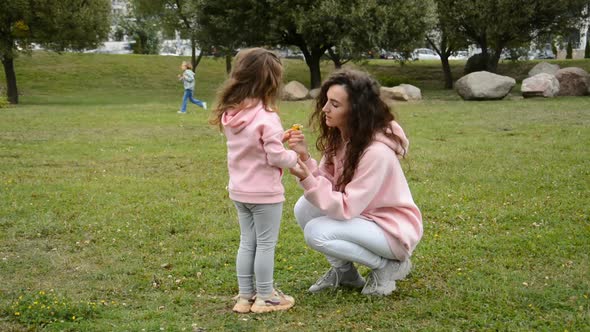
<point x="342" y="241"/>
<point x="259" y="227"/>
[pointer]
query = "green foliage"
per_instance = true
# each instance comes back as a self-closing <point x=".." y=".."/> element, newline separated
<point x="569" y="51"/>
<point x="4" y="102"/>
<point x="477" y="62"/>
<point x="587" y="49"/>
<point x="389" y="81"/>
<point x="509" y="22"/>
<point x="145" y="33"/>
<point x="54" y="24"/>
<point x="43" y="308"/>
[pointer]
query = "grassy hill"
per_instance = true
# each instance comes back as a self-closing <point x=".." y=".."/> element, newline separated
<point x="129" y="78"/>
<point x="114" y="214"/>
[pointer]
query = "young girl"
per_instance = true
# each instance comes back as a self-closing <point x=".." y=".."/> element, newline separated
<point x="188" y="79"/>
<point x="255" y="158"/>
<point x="356" y="206"/>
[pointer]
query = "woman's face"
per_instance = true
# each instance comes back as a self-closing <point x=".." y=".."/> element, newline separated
<point x="337" y="107"/>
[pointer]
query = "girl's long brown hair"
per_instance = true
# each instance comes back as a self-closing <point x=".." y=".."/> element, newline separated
<point x="368" y="115"/>
<point x="257" y="75"/>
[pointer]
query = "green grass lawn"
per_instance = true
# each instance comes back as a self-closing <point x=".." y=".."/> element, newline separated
<point x="114" y="214"/>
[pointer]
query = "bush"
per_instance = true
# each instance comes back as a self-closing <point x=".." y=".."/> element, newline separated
<point x="587" y="49"/>
<point x="391" y="81"/>
<point x="569" y="51"/>
<point x="476" y="62"/>
<point x="4" y="102"/>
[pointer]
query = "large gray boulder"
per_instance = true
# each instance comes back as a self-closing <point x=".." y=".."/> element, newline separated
<point x="314" y="93"/>
<point x="543" y="67"/>
<point x="483" y="85"/>
<point x="413" y="92"/>
<point x="395" y="93"/>
<point x="295" y="91"/>
<point x="573" y="81"/>
<point x="540" y="85"/>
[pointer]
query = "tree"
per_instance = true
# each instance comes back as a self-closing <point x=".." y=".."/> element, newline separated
<point x="345" y="28"/>
<point x="569" y="50"/>
<point x="211" y="25"/>
<point x="444" y="40"/>
<point x="145" y="31"/>
<point x="493" y="24"/>
<point x="54" y="24"/>
<point x="553" y="47"/>
<point x="304" y="24"/>
<point x="175" y="15"/>
<point x="229" y="25"/>
<point x="378" y="26"/>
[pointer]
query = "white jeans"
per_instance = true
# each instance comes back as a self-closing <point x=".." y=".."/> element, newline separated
<point x="342" y="241"/>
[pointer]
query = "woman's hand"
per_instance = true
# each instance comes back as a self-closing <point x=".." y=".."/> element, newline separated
<point x="297" y="143"/>
<point x="300" y="170"/>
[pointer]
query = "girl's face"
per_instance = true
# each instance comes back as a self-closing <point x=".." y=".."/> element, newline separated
<point x="183" y="66"/>
<point x="337" y="107"/>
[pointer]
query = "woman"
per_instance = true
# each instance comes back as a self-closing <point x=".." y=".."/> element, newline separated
<point x="357" y="206"/>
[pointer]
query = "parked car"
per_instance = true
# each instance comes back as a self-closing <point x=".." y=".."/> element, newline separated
<point x="424" y="54"/>
<point x="396" y="55"/>
<point x="459" y="55"/>
<point x="545" y="54"/>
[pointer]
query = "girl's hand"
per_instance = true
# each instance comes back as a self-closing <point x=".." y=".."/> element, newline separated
<point x="300" y="170"/>
<point x="286" y="135"/>
<point x="297" y="143"/>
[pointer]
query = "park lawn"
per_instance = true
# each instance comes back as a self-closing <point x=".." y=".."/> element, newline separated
<point x="113" y="209"/>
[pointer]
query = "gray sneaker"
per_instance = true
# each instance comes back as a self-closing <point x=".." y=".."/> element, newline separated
<point x="382" y="281"/>
<point x="334" y="279"/>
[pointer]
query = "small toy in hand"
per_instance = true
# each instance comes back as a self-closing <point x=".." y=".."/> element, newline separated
<point x="296" y="126"/>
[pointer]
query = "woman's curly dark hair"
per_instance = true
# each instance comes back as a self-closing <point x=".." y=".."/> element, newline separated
<point x="368" y="115"/>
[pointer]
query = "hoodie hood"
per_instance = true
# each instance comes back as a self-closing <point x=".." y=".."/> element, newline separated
<point x="236" y="119"/>
<point x="396" y="129"/>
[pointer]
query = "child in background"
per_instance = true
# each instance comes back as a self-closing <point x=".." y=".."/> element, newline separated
<point x="188" y="79"/>
<point x="246" y="113"/>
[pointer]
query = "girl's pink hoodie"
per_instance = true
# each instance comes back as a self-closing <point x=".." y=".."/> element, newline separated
<point x="256" y="155"/>
<point x="378" y="191"/>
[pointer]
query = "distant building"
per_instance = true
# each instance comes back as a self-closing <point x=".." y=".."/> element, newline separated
<point x="119" y="10"/>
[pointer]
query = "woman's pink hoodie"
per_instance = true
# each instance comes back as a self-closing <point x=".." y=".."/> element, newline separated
<point x="256" y="155"/>
<point x="378" y="191"/>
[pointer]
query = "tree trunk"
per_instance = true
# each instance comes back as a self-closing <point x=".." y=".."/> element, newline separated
<point x="228" y="58"/>
<point x="444" y="59"/>
<point x="198" y="59"/>
<point x="194" y="61"/>
<point x="11" y="88"/>
<point x="335" y="58"/>
<point x="494" y="59"/>
<point x="315" y="75"/>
